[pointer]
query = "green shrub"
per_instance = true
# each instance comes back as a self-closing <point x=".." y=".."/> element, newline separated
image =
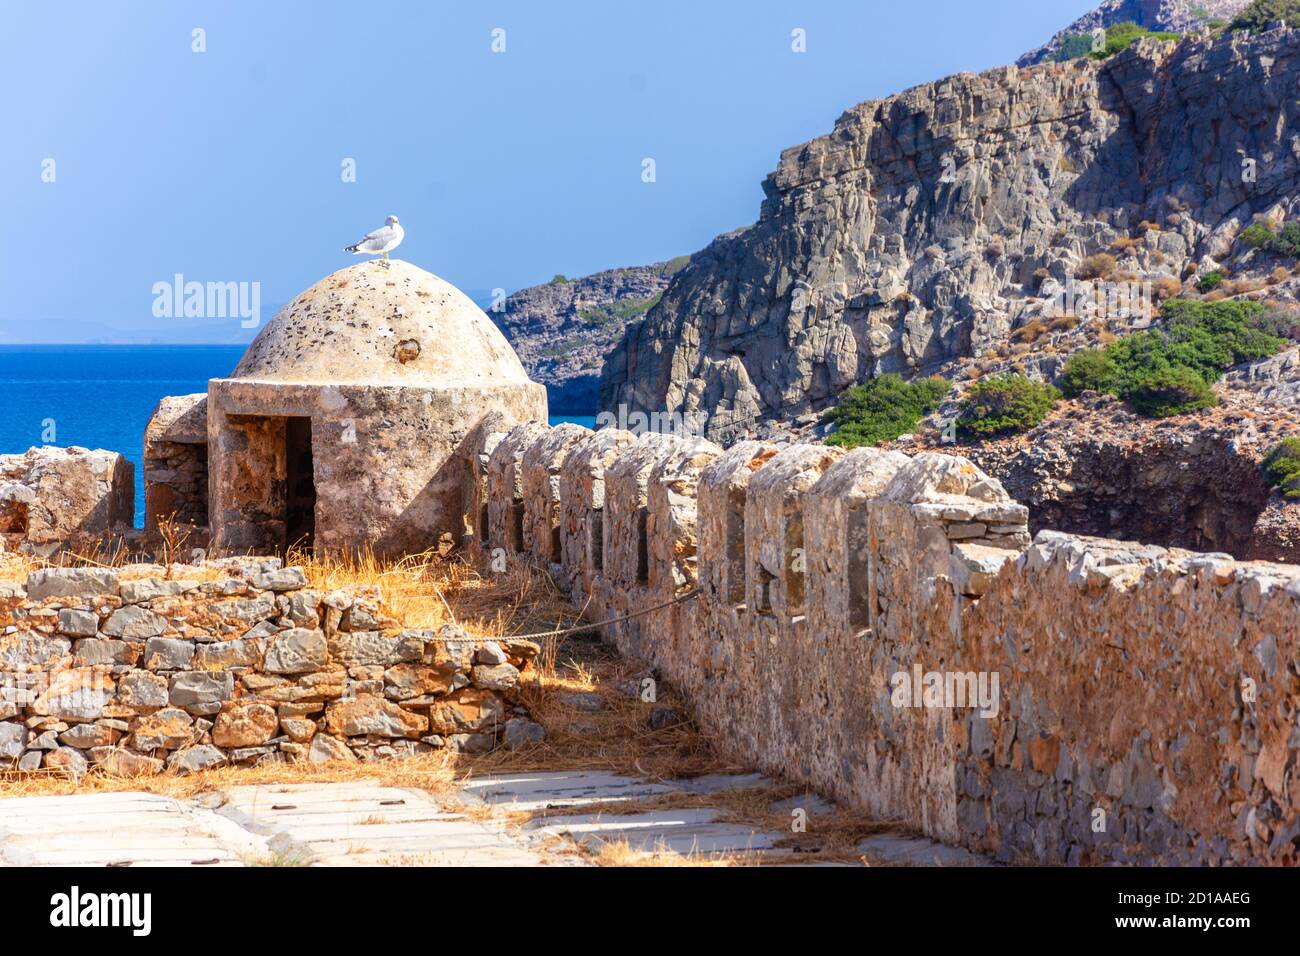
<point x="1120" y="36"/>
<point x="1087" y="370"/>
<point x="1281" y="320"/>
<point x="1209" y="282"/>
<point x="1201" y="338"/>
<point x="1261" y="13"/>
<point x="1257" y="236"/>
<point x="882" y="409"/>
<point x="559" y="279"/>
<point x="1004" y="405"/>
<point x="1171" y="391"/>
<point x="621" y="310"/>
<point x="1282" y="461"/>
<point x="1284" y="243"/>
<point x="1287" y="242"/>
<point x="1074" y="46"/>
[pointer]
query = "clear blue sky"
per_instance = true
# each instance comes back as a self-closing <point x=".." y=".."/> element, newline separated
<point x="504" y="168"/>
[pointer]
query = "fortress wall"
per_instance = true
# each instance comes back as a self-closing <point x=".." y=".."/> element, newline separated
<point x="241" y="664"/>
<point x="1118" y="732"/>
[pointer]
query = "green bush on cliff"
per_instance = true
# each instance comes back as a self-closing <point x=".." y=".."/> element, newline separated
<point x="1209" y="282"/>
<point x="1171" y="391"/>
<point x="1261" y="13"/>
<point x="1282" y="462"/>
<point x="1202" y="338"/>
<point x="1087" y="370"/>
<point x="882" y="409"/>
<point x="1119" y="36"/>
<point x="619" y="311"/>
<point x="1286" y="242"/>
<point x="1257" y="235"/>
<point x="1281" y="319"/>
<point x="1004" y="405"/>
<point x="1281" y="467"/>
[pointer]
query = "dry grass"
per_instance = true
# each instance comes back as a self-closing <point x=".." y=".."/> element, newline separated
<point x="621" y="853"/>
<point x="832" y="837"/>
<point x="428" y="591"/>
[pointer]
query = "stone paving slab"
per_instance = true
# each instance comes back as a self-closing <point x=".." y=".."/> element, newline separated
<point x="350" y="824"/>
<point x="686" y="831"/>
<point x="100" y="829"/>
<point x="361" y="823"/>
<point x="531" y="792"/>
<point x="691" y="832"/>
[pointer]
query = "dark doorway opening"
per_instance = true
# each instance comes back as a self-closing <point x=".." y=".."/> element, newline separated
<point x="300" y="485"/>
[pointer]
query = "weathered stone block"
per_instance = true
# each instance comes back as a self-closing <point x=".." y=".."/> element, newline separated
<point x="164" y="654"/>
<point x="373" y="715"/>
<point x="296" y="651"/>
<point x="201" y="692"/>
<point x="245" y="725"/>
<point x="70" y="583"/>
<point x="134" y="623"/>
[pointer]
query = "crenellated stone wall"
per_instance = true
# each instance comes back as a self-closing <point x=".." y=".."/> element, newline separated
<point x="241" y="663"/>
<point x="1078" y="700"/>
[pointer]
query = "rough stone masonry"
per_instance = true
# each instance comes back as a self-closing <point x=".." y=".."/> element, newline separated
<point x="137" y="674"/>
<point x="1147" y="697"/>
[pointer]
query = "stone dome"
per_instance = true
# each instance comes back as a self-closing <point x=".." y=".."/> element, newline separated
<point x="371" y="325"/>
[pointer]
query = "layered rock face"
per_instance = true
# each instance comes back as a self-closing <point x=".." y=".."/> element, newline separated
<point x="243" y="663"/>
<point x="563" y="330"/>
<point x="929" y="225"/>
<point x="1158" y="16"/>
<point x="1096" y="468"/>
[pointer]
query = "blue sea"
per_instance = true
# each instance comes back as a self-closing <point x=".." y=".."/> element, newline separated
<point x="101" y="396"/>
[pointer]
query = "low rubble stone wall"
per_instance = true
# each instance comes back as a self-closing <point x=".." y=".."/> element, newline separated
<point x="242" y="664"/>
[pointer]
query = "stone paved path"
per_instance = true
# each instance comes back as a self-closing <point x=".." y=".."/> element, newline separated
<point x="343" y="824"/>
<point x="687" y="831"/>
<point x="364" y="824"/>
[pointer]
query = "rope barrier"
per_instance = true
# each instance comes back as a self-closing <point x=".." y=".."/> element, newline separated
<point x="564" y="632"/>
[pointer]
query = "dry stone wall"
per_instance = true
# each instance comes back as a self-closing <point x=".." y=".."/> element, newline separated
<point x="247" y="666"/>
<point x="883" y="628"/>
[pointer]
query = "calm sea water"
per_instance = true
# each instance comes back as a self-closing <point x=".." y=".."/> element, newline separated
<point x="101" y="396"/>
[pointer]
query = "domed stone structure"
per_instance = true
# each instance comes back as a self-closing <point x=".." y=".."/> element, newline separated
<point x="338" y="428"/>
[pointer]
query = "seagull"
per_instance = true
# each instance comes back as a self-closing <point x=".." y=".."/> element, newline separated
<point x="383" y="240"/>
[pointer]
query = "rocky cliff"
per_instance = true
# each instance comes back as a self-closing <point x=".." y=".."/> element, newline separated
<point x="563" y="330"/>
<point x="928" y="227"/>
<point x="1172" y="16"/>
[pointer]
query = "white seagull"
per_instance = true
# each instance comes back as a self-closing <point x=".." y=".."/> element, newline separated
<point x="382" y="241"/>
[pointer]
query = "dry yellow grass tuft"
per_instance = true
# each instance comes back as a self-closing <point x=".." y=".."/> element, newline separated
<point x="427" y="591"/>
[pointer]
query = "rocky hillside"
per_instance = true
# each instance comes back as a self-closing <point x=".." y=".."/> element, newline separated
<point x="563" y="330"/>
<point x="937" y="230"/>
<point x="1094" y="467"/>
<point x="1173" y="16"/>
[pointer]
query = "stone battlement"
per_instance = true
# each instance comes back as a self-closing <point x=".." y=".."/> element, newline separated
<point x="1118" y="702"/>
